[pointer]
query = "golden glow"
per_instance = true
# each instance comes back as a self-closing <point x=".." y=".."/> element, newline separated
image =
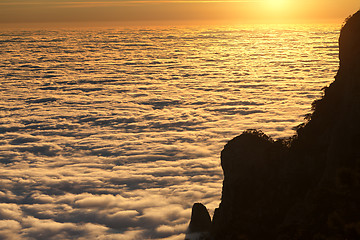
<point x="264" y="11"/>
<point x="277" y="5"/>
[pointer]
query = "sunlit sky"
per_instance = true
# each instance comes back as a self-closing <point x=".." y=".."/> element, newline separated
<point x="261" y="11"/>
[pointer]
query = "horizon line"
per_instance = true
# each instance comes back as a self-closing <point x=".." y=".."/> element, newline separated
<point x="119" y="2"/>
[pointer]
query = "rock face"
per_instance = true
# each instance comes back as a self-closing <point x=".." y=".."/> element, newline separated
<point x="308" y="186"/>
<point x="200" y="224"/>
<point x="200" y="219"/>
<point x="251" y="205"/>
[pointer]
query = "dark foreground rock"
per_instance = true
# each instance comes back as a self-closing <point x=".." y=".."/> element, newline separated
<point x="200" y="219"/>
<point x="306" y="187"/>
<point x="200" y="224"/>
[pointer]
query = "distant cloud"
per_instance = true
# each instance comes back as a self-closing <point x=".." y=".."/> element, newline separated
<point x="116" y="133"/>
<point x="115" y="3"/>
<point x="41" y="11"/>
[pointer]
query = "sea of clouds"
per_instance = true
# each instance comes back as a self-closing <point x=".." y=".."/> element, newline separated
<point x="115" y="133"/>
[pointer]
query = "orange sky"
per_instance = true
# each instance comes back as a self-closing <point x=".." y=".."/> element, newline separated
<point x="260" y="11"/>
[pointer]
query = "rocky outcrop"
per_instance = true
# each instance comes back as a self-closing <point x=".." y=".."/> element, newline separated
<point x="305" y="187"/>
<point x="251" y="205"/>
<point x="200" y="219"/>
<point x="200" y="224"/>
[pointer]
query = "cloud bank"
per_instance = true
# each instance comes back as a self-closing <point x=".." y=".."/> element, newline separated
<point x="114" y="134"/>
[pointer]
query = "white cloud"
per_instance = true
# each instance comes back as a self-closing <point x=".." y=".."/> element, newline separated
<point x="10" y="230"/>
<point x="118" y="141"/>
<point x="10" y="211"/>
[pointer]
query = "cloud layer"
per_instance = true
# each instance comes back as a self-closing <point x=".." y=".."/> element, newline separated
<point x="114" y="134"/>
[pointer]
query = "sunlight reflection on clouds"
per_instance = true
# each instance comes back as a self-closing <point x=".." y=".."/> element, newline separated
<point x="116" y="133"/>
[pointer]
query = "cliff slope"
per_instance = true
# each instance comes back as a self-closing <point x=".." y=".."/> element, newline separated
<point x="305" y="187"/>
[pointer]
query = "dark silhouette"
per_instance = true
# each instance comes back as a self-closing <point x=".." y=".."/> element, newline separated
<point x="200" y="219"/>
<point x="305" y="187"/>
<point x="200" y="222"/>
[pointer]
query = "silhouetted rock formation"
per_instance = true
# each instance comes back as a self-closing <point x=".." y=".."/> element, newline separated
<point x="200" y="224"/>
<point x="251" y="205"/>
<point x="200" y="219"/>
<point x="308" y="186"/>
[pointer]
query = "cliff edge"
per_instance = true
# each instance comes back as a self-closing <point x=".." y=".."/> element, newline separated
<point x="305" y="187"/>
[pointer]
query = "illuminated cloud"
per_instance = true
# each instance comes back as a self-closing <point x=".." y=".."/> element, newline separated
<point x="113" y="3"/>
<point x="118" y="132"/>
<point x="174" y="10"/>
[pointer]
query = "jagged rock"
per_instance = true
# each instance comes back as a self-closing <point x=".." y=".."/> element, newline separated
<point x="200" y="219"/>
<point x="252" y="165"/>
<point x="308" y="186"/>
<point x="329" y="143"/>
<point x="349" y="52"/>
<point x="200" y="224"/>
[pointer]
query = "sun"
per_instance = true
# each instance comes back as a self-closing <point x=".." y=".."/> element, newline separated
<point x="276" y="4"/>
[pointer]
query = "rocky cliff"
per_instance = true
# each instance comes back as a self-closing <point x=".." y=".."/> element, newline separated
<point x="307" y="186"/>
